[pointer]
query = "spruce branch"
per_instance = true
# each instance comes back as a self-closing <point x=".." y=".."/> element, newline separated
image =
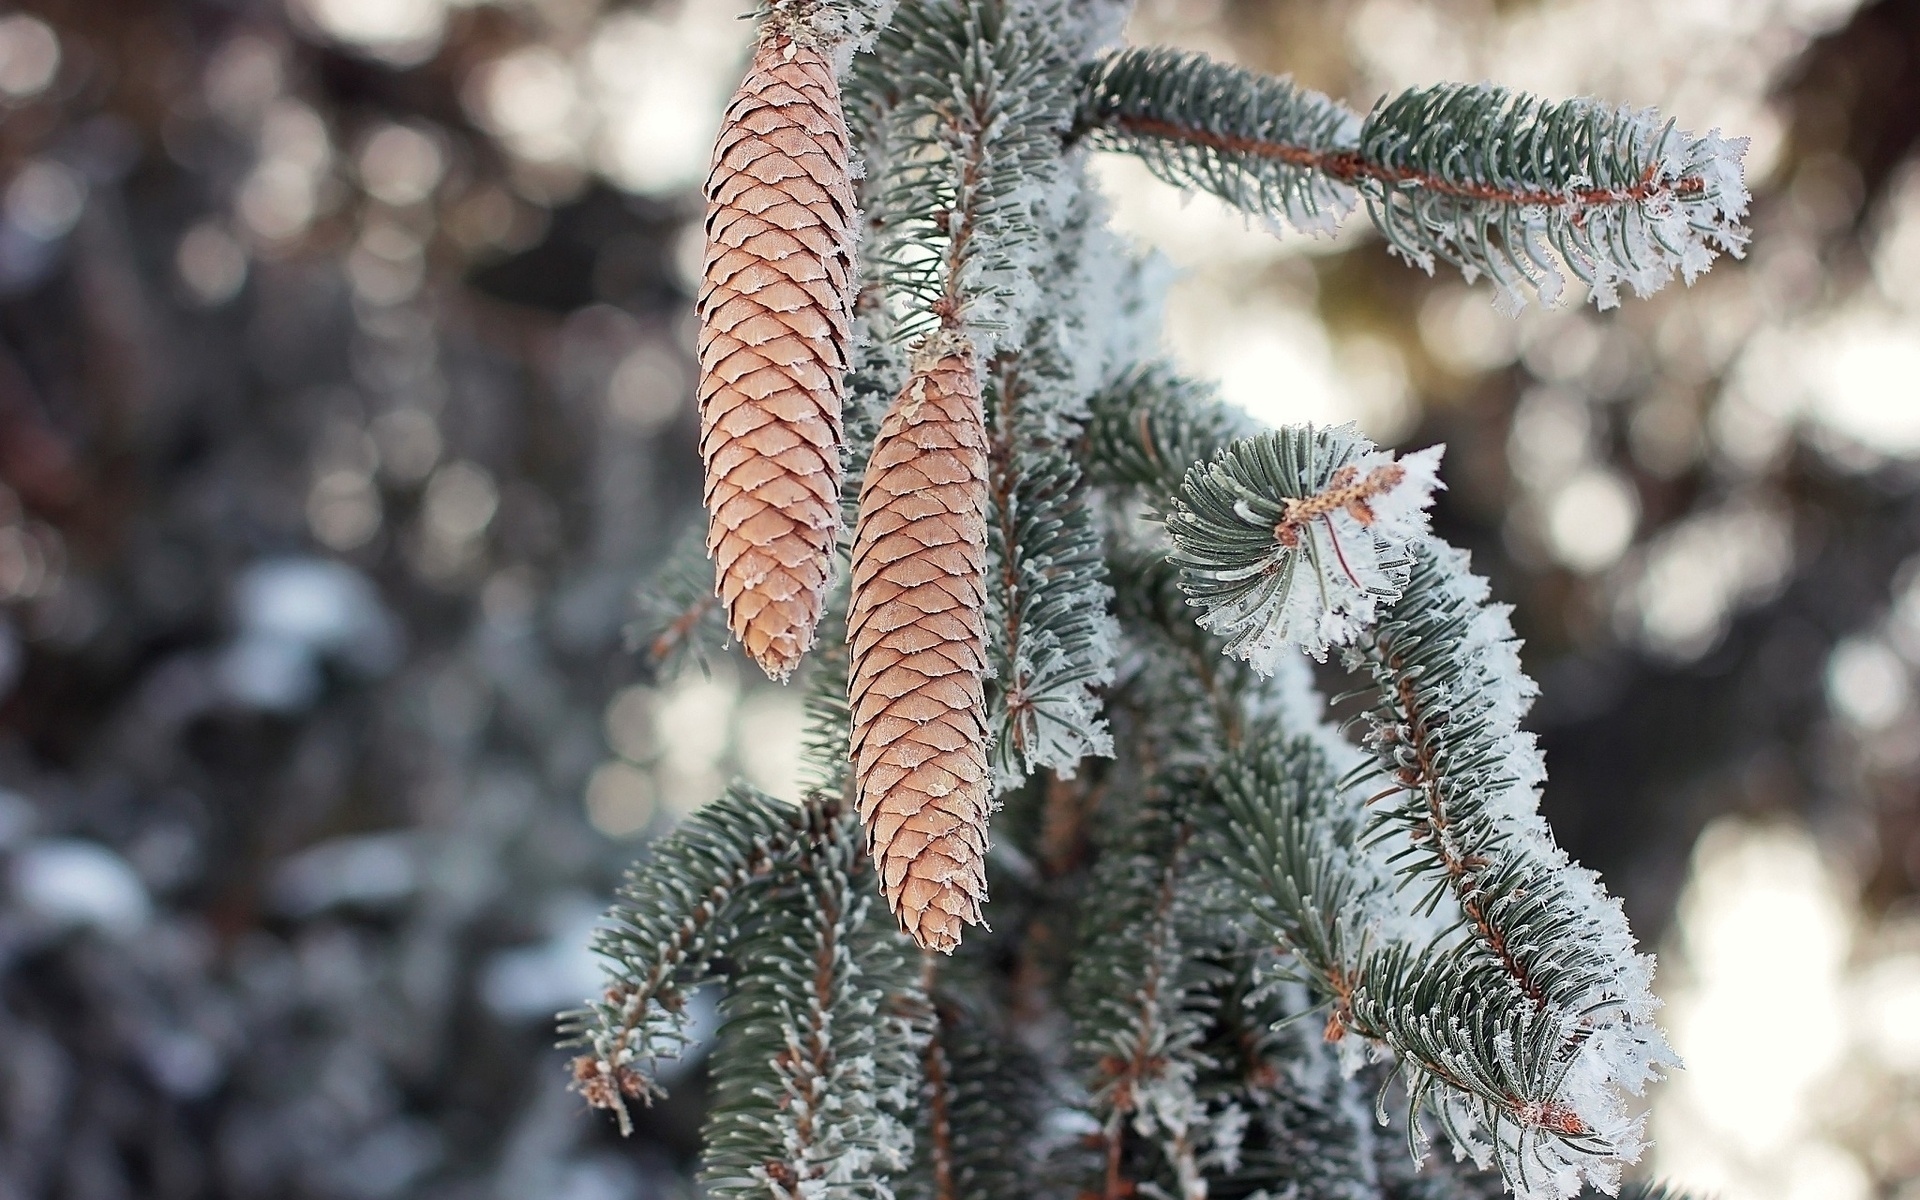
<point x="827" y="713"/>
<point x="972" y="145"/>
<point x="983" y="1106"/>
<point x="1140" y="1000"/>
<point x="1218" y="912"/>
<point x="1295" y="537"/>
<point x="1151" y="425"/>
<point x="1505" y="184"/>
<point x="1310" y="1129"/>
<point x="939" y="1109"/>
<point x="1261" y="144"/>
<point x="1498" y="183"/>
<point x="1178" y="667"/>
<point x="820" y="1048"/>
<point x="677" y="913"/>
<point x="1048" y="600"/>
<point x="1289" y="841"/>
<point x="838" y="27"/>
<point x="1541" y="950"/>
<point x="1477" y="1054"/>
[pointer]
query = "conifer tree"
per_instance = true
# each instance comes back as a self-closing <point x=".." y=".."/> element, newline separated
<point x="1228" y="952"/>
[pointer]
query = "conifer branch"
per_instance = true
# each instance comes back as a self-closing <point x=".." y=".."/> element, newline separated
<point x="971" y="145"/>
<point x="1464" y="789"/>
<point x="1296" y="536"/>
<point x="940" y="1117"/>
<point x="827" y="714"/>
<point x="1183" y="667"/>
<point x="1140" y="1003"/>
<point x="1496" y="182"/>
<point x="1151" y="426"/>
<point x="1259" y="143"/>
<point x="1478" y="1054"/>
<point x="999" y="1107"/>
<point x="820" y="1050"/>
<point x="1309" y="1129"/>
<point x="1290" y="843"/>
<point x="1048" y="598"/>
<point x="834" y="25"/>
<point x="675" y="915"/>
<point x="984" y="1100"/>
<point x="1220" y="880"/>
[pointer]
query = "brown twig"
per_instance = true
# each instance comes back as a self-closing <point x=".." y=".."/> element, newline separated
<point x="1462" y="869"/>
<point x="678" y="630"/>
<point x="1348" y="166"/>
<point x="606" y="1084"/>
<point x="1127" y="1074"/>
<point x="1345" y="490"/>
<point x="810" y="1062"/>
<point x="939" y="1096"/>
<point x="1000" y="484"/>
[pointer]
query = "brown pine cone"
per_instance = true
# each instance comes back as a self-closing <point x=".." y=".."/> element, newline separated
<point x="916" y="627"/>
<point x="776" y="311"/>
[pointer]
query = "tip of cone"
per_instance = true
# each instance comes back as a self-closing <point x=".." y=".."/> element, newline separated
<point x="943" y="939"/>
<point x="933" y="925"/>
<point x="778" y="667"/>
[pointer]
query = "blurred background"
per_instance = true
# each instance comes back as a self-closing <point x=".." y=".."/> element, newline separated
<point x="345" y="402"/>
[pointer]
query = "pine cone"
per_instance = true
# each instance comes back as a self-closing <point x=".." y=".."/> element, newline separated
<point x="776" y="310"/>
<point x="917" y="630"/>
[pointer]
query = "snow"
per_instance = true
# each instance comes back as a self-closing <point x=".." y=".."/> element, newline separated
<point x="293" y="614"/>
<point x="80" y="884"/>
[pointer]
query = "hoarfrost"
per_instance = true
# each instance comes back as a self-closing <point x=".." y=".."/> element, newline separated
<point x="1332" y="561"/>
<point x="1607" y="1022"/>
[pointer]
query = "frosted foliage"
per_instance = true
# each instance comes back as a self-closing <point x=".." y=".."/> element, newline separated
<point x="1500" y="184"/>
<point x="1061" y="720"/>
<point x="1292" y="701"/>
<point x="1211" y="127"/>
<point x="1322" y="541"/>
<point x="1578" y="950"/>
<point x="839" y="1120"/>
<point x="1104" y="302"/>
<point x="846" y="25"/>
<point x="1166" y="1109"/>
<point x="1677" y="231"/>
<point x="817" y="1067"/>
<point x="973" y="152"/>
<point x="1062" y="636"/>
<point x="1242" y="865"/>
<point x="1612" y="195"/>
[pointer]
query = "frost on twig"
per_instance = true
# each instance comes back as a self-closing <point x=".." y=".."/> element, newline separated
<point x="1540" y="958"/>
<point x="1294" y="537"/>
<point x="674" y="917"/>
<point x="1499" y="183"/>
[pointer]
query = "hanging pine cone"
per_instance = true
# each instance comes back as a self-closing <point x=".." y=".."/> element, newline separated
<point x="916" y="627"/>
<point x="776" y="306"/>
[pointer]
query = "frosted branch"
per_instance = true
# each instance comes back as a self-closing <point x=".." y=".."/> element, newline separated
<point x="675" y="914"/>
<point x="1498" y="183"/>
<point x="1295" y="537"/>
<point x="1463" y="786"/>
